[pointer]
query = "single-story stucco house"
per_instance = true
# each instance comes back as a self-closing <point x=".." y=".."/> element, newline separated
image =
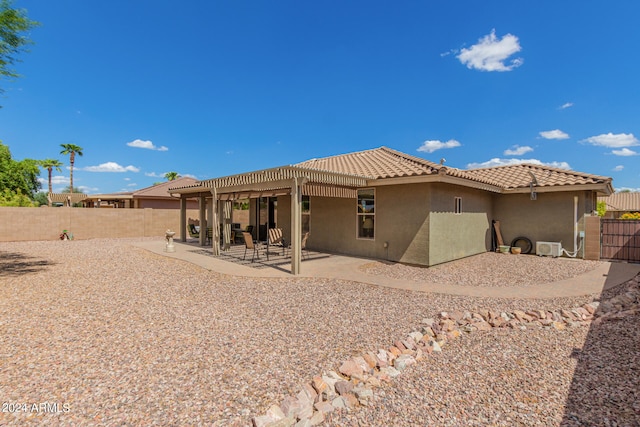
<point x="619" y="204"/>
<point x="384" y="204"/>
<point x="155" y="197"/>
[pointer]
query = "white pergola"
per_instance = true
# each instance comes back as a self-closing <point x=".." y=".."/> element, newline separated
<point x="285" y="180"/>
<point x="67" y="199"/>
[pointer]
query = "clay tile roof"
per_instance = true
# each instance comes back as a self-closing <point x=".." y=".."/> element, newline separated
<point x="629" y="201"/>
<point x="521" y="175"/>
<point x="384" y="162"/>
<point x="376" y="163"/>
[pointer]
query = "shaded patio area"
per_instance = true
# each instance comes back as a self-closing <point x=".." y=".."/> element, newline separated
<point x="236" y="255"/>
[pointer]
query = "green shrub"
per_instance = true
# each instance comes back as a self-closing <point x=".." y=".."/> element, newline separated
<point x="17" y="199"/>
<point x="629" y="215"/>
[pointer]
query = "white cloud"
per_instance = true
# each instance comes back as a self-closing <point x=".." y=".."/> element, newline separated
<point x="86" y="189"/>
<point x="55" y="180"/>
<point x="517" y="150"/>
<point x="618" y="168"/>
<point x="434" y="145"/>
<point x="554" y="134"/>
<point x="490" y="53"/>
<point x="624" y="152"/>
<point x="611" y="140"/>
<point x="508" y="162"/>
<point x="59" y="179"/>
<point x="111" y="167"/>
<point x="154" y="174"/>
<point x="138" y="143"/>
<point x="566" y="105"/>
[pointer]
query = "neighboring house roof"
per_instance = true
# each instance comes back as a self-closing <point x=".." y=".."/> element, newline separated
<point x="384" y="165"/>
<point x="162" y="189"/>
<point x="623" y="202"/>
<point x="158" y="191"/>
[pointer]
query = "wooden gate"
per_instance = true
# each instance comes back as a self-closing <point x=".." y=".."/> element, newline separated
<point x="620" y="240"/>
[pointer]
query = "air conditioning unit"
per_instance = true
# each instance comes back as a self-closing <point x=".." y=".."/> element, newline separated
<point x="553" y="249"/>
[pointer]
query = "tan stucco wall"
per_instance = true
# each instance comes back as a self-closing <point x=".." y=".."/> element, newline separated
<point x="333" y="227"/>
<point x="402" y="220"/>
<point x="454" y="236"/>
<point x="21" y="224"/>
<point x="419" y="225"/>
<point x="550" y="218"/>
<point x="416" y="221"/>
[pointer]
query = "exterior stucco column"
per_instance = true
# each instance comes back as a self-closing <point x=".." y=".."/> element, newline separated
<point x="202" y="218"/>
<point x="215" y="223"/>
<point x="296" y="224"/>
<point x="226" y="224"/>
<point x="183" y="218"/>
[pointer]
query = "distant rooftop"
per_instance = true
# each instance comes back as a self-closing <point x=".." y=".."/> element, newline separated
<point x="624" y="202"/>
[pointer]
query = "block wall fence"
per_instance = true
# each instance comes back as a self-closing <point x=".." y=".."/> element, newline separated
<point x="592" y="238"/>
<point x="22" y="224"/>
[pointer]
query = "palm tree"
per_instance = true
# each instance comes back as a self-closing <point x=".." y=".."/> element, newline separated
<point x="71" y="150"/>
<point x="50" y="164"/>
<point x="171" y="176"/>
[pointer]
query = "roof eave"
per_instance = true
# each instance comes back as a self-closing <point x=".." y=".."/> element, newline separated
<point x="448" y="179"/>
<point x="602" y="188"/>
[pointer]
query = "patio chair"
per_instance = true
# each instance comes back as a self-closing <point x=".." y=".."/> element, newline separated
<point x="276" y="239"/>
<point x="249" y="244"/>
<point x="191" y="228"/>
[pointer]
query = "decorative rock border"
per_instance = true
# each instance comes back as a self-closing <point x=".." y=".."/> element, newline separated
<point x="357" y="378"/>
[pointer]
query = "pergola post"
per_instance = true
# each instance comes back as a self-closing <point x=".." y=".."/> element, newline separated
<point x="202" y="218"/>
<point x="296" y="225"/>
<point x="183" y="218"/>
<point x="226" y="224"/>
<point x="215" y="223"/>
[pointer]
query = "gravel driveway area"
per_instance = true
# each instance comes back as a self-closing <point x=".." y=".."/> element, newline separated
<point x="110" y="334"/>
<point x="489" y="269"/>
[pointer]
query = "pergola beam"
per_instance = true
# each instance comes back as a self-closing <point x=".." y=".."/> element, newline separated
<point x="277" y="181"/>
<point x="202" y="219"/>
<point x="183" y="218"/>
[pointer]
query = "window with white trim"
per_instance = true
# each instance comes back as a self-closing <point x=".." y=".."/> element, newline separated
<point x="366" y="213"/>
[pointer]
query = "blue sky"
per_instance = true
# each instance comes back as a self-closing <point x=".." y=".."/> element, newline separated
<point x="212" y="88"/>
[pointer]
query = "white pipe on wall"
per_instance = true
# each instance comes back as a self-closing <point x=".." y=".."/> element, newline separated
<point x="575" y="224"/>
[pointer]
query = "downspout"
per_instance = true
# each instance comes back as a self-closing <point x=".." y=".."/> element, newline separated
<point x="576" y="247"/>
<point x="575" y="224"/>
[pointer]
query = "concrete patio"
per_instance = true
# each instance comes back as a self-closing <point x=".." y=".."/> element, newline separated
<point x="332" y="266"/>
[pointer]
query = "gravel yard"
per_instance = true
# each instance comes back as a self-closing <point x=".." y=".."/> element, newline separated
<point x="116" y="335"/>
<point x="489" y="270"/>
